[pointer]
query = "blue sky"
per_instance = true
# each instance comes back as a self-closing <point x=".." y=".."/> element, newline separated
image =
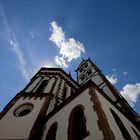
<point x="35" y="33"/>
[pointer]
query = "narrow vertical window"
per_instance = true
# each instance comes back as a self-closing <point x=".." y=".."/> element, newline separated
<point x="42" y="86"/>
<point x="77" y="125"/>
<point x="120" y="124"/>
<point x="64" y="93"/>
<point x="83" y="78"/>
<point x="51" y="135"/>
<point x="86" y="65"/>
<point x="81" y="70"/>
<point x="30" y="87"/>
<point x="89" y="72"/>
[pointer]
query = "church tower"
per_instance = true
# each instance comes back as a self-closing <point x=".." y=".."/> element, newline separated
<point x="53" y="106"/>
<point x="87" y="70"/>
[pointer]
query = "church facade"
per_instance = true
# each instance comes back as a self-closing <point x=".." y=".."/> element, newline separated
<point x="53" y="106"/>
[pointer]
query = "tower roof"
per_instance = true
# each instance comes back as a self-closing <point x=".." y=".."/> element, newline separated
<point x="56" y="71"/>
<point x="86" y="60"/>
<point x="82" y="63"/>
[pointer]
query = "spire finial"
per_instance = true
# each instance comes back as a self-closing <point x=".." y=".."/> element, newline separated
<point x="70" y="73"/>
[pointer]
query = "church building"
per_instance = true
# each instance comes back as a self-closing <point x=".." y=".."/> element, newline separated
<point x="53" y="106"/>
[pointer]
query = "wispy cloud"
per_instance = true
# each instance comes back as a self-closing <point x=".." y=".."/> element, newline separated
<point x="32" y="34"/>
<point x="114" y="69"/>
<point x="69" y="48"/>
<point x="15" y="46"/>
<point x="112" y="79"/>
<point x="125" y="73"/>
<point x="131" y="92"/>
<point x="22" y="63"/>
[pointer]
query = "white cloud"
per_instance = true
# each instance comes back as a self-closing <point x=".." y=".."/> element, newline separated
<point x="112" y="79"/>
<point x="48" y="65"/>
<point x="57" y="35"/>
<point x="61" y="61"/>
<point x="69" y="48"/>
<point x="10" y="37"/>
<point x="131" y="92"/>
<point x="44" y="63"/>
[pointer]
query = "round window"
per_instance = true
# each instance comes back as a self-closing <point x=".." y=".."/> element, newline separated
<point x="23" y="110"/>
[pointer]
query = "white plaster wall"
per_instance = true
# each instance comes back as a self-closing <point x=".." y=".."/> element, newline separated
<point x="106" y="107"/>
<point x="97" y="80"/>
<point x="109" y="93"/>
<point x="62" y="118"/>
<point x="68" y="91"/>
<point x="56" y="86"/>
<point x="51" y="106"/>
<point x="12" y="127"/>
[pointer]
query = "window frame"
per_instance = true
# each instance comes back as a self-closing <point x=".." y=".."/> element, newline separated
<point x="72" y="117"/>
<point x="26" y="106"/>
<point x="41" y="87"/>
<point x="52" y="129"/>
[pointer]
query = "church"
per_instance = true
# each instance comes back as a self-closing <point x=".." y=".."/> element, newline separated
<point x="53" y="106"/>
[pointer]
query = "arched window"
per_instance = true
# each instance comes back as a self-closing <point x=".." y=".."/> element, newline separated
<point x="30" y="87"/>
<point x="42" y="86"/>
<point x="49" y="85"/>
<point x="77" y="124"/>
<point x="51" y="135"/>
<point x="136" y="133"/>
<point x="64" y="93"/>
<point x="120" y="124"/>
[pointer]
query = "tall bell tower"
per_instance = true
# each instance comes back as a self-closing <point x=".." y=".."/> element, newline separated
<point x="23" y="117"/>
<point x="87" y="71"/>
